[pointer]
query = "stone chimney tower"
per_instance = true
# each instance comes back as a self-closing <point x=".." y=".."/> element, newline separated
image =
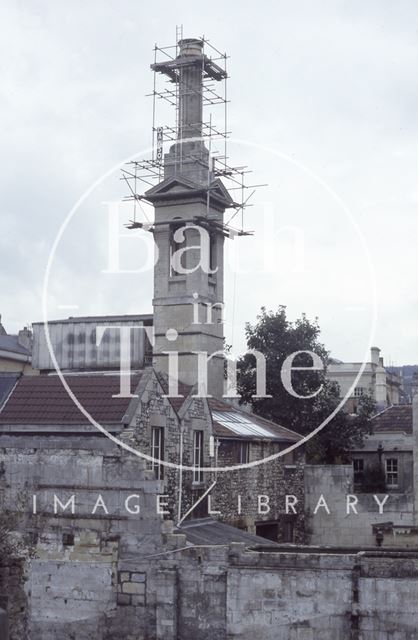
<point x="189" y="231"/>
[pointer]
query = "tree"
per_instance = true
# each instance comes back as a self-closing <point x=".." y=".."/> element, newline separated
<point x="277" y="338"/>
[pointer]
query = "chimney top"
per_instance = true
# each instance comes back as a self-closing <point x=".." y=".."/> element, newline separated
<point x="190" y="47"/>
<point x="375" y="354"/>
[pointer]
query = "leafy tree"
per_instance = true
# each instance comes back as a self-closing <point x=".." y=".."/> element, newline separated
<point x="276" y="338"/>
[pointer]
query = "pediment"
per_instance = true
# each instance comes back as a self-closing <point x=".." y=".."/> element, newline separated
<point x="218" y="189"/>
<point x="173" y="184"/>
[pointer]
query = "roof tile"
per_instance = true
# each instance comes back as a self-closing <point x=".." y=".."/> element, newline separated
<point x="394" y="419"/>
<point x="44" y="400"/>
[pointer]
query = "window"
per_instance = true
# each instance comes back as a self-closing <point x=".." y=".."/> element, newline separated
<point x="392" y="472"/>
<point x="212" y="253"/>
<point x="176" y="245"/>
<point x="244" y="453"/>
<point x="197" y="456"/>
<point x="358" y="392"/>
<point x="68" y="539"/>
<point x="157" y="451"/>
<point x="289" y="529"/>
<point x="358" y="467"/>
<point x="268" y="530"/>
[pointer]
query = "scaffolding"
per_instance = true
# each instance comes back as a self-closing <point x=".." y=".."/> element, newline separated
<point x="168" y="76"/>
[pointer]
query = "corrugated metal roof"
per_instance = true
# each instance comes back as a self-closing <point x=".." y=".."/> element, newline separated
<point x="95" y="319"/>
<point x="44" y="400"/>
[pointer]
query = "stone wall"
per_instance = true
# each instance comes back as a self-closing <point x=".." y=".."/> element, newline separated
<point x="157" y="411"/>
<point x="339" y="528"/>
<point x="273" y="479"/>
<point x="233" y="593"/>
<point x="13" y="598"/>
<point x="80" y="581"/>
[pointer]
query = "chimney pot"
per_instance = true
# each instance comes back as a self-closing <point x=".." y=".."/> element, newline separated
<point x="375" y="354"/>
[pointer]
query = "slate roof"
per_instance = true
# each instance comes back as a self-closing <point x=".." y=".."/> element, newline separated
<point x="43" y="400"/>
<point x="232" y="414"/>
<point x="11" y="343"/>
<point x="7" y="382"/>
<point x="208" y="531"/>
<point x="394" y="419"/>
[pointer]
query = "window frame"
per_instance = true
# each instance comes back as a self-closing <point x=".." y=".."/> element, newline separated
<point x="198" y="441"/>
<point x="358" y="474"/>
<point x="392" y="472"/>
<point x="244" y="452"/>
<point x="174" y="246"/>
<point x="157" y="451"/>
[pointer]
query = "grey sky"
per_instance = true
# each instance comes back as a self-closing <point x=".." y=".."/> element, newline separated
<point x="329" y="84"/>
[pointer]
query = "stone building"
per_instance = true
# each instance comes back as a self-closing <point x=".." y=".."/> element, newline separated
<point x="108" y="556"/>
<point x="376" y="380"/>
<point x="191" y="426"/>
<point x="390" y="447"/>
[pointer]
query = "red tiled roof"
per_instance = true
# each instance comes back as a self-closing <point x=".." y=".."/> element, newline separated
<point x="44" y="400"/>
<point x="395" y="419"/>
<point x="281" y="433"/>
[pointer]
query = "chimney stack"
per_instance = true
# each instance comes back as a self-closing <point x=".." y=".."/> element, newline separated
<point x="375" y="354"/>
<point x="190" y="60"/>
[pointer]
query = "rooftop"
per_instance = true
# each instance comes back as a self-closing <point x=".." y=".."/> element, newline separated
<point x="11" y="344"/>
<point x="207" y="531"/>
<point x="7" y="382"/>
<point x="43" y="400"/>
<point x="96" y="319"/>
<point x="231" y="422"/>
<point x="394" y="419"/>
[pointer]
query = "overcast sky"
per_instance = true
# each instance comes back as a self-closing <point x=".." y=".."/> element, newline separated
<point x="323" y="98"/>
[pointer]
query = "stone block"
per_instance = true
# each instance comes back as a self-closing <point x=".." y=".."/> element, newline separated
<point x="138" y="577"/>
<point x="133" y="588"/>
<point x="123" y="599"/>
